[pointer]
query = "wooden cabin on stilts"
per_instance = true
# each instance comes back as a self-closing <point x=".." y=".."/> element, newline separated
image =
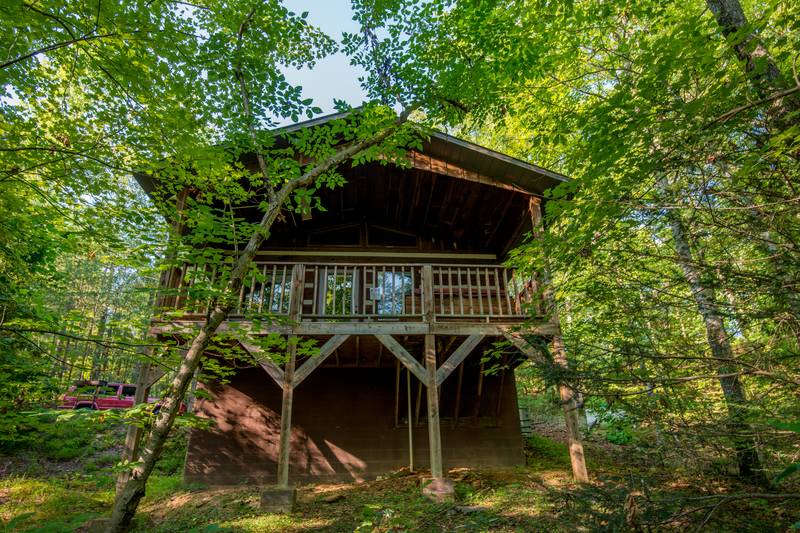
<point x="401" y="283"/>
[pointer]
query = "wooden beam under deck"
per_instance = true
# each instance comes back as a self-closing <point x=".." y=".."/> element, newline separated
<point x="542" y="328"/>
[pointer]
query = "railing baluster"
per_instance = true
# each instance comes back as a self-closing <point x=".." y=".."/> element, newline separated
<point x="272" y="287"/>
<point x="402" y="310"/>
<point x="261" y="289"/>
<point x="315" y="292"/>
<point x="460" y="293"/>
<point x="497" y="290"/>
<point x="441" y="289"/>
<point x="333" y="303"/>
<point x="283" y="290"/>
<point x="488" y="290"/>
<point x="363" y="299"/>
<point x="344" y="290"/>
<point x="480" y="292"/>
<point x="450" y="288"/>
<point x="508" y="296"/>
<point x="394" y="305"/>
<point x="530" y="291"/>
<point x="374" y="292"/>
<point x="469" y="294"/>
<point x="187" y="283"/>
<point x="324" y="292"/>
<point x="413" y="291"/>
<point x="383" y="287"/>
<point x="251" y="294"/>
<point x="211" y="287"/>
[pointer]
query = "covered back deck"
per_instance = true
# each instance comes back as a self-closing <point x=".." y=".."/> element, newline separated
<point x="400" y="281"/>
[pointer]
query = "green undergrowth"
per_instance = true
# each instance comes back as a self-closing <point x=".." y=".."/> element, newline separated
<point x="537" y="497"/>
<point x="65" y="475"/>
<point x="541" y="452"/>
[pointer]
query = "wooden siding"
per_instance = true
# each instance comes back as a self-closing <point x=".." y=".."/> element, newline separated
<point x="344" y="427"/>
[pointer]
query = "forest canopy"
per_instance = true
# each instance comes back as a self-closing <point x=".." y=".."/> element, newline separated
<point x="673" y="252"/>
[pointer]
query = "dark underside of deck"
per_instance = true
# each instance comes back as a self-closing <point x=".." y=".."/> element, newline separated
<point x="351" y="424"/>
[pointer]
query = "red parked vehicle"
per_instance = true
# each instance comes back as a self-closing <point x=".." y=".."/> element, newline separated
<point x="100" y="395"/>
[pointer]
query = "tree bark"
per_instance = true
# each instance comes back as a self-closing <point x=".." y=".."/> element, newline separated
<point x="759" y="65"/>
<point x="567" y="394"/>
<point x="766" y="79"/>
<point x="719" y="343"/>
<point x="129" y="496"/>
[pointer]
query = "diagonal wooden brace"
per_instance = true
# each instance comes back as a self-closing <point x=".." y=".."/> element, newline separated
<point x="274" y="371"/>
<point x="524" y="346"/>
<point x="325" y="350"/>
<point x="457" y="357"/>
<point x="406" y="358"/>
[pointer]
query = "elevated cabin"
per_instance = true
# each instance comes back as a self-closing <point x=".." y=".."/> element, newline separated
<point x="401" y="282"/>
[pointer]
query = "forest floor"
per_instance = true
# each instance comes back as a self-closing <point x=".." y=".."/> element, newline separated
<point x="40" y="492"/>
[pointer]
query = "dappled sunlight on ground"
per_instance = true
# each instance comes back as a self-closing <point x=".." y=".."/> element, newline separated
<point x="538" y="497"/>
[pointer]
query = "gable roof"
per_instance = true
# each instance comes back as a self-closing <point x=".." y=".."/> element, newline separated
<point x="478" y="161"/>
<point x="471" y="157"/>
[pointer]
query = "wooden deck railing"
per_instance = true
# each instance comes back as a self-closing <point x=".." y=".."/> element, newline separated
<point x="351" y="291"/>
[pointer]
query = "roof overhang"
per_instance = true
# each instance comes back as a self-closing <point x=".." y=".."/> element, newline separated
<point x="464" y="159"/>
<point x="469" y="156"/>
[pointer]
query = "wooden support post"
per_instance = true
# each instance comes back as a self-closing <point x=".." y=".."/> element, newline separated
<point x="428" y="314"/>
<point x="439" y="489"/>
<point x="286" y="416"/>
<point x="568" y="402"/>
<point x="284" y="449"/>
<point x="434" y="435"/>
<point x="410" y="426"/>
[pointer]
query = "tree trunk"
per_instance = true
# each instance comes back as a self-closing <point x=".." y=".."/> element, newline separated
<point x="718" y="341"/>
<point x="570" y="407"/>
<point x="128" y="497"/>
<point x="759" y="64"/>
<point x="567" y="394"/>
<point x="766" y="78"/>
<point x="99" y="350"/>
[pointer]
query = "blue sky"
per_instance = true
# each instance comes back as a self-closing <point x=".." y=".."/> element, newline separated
<point x="333" y="77"/>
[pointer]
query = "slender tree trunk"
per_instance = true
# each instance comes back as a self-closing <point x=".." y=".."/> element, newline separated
<point x="759" y="65"/>
<point x="191" y="397"/>
<point x="570" y="408"/>
<point x="568" y="396"/>
<point x="766" y="78"/>
<point x="717" y="337"/>
<point x="128" y="497"/>
<point x="96" y="372"/>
